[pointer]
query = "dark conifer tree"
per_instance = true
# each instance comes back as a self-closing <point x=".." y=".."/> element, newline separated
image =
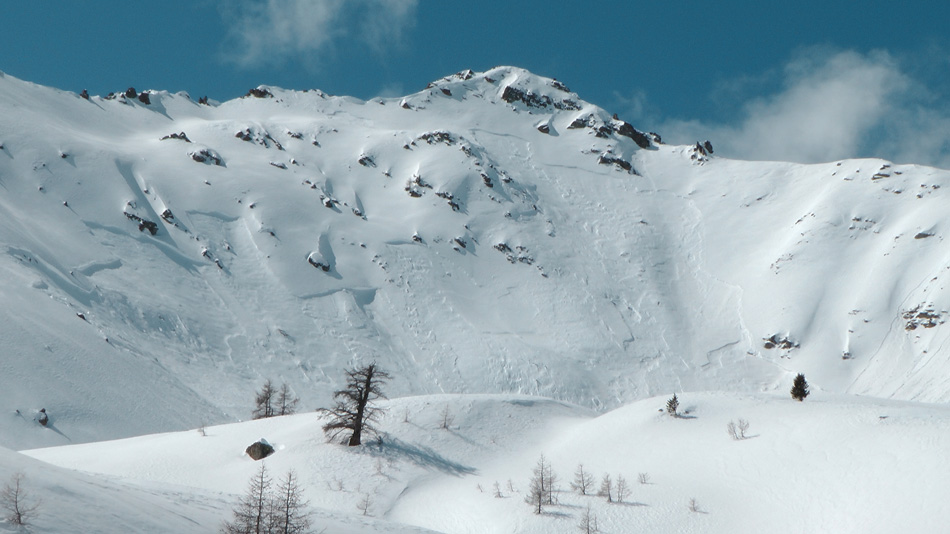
<point x="672" y="406"/>
<point x="799" y="388"/>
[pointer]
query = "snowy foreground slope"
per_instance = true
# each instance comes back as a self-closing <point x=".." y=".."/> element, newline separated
<point x="493" y="233"/>
<point x="834" y="463"/>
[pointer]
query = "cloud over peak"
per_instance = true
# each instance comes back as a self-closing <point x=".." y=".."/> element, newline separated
<point x="262" y="32"/>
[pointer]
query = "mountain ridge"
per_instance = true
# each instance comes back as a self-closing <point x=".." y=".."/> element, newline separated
<point x="492" y="233"/>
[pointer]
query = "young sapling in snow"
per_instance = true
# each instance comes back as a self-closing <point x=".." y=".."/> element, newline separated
<point x="16" y="502"/>
<point x="672" y="406"/>
<point x="583" y="481"/>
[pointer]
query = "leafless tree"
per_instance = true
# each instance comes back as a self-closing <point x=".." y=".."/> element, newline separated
<point x="588" y="523"/>
<point x="251" y="516"/>
<point x="743" y="428"/>
<point x="447" y="418"/>
<point x="365" y="504"/>
<point x="264" y="401"/>
<point x="289" y="514"/>
<point x="606" y="488"/>
<point x="694" y="506"/>
<point x="622" y="488"/>
<point x="737" y="431"/>
<point x="286" y="401"/>
<point x="541" y="486"/>
<point x="644" y="478"/>
<point x="16" y="502"/>
<point x="583" y="481"/>
<point x="354" y="414"/>
<point x="497" y="490"/>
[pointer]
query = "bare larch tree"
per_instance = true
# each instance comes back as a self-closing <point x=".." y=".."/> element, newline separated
<point x="354" y="414"/>
<point x="264" y="401"/>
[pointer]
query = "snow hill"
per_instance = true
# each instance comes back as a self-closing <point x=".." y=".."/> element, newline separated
<point x="830" y="464"/>
<point x="490" y="240"/>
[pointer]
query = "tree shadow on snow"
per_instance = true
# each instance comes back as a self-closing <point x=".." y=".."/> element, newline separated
<point x="395" y="449"/>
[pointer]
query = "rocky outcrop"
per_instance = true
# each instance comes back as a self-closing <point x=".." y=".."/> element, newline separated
<point x="259" y="449"/>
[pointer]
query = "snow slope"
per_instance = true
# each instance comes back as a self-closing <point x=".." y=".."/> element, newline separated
<point x="493" y="233"/>
<point x="834" y="463"/>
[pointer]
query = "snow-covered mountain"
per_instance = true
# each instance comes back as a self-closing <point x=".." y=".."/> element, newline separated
<point x="493" y="233"/>
<point x="491" y="240"/>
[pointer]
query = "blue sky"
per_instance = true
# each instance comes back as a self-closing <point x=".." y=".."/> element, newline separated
<point x="803" y="81"/>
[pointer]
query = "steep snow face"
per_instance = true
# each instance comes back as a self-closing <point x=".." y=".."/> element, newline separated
<point x="491" y="233"/>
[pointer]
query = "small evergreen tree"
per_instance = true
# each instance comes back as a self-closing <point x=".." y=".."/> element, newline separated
<point x="799" y="388"/>
<point x="672" y="406"/>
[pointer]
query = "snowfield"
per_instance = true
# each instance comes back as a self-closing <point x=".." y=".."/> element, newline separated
<point x="506" y="251"/>
<point x="830" y="464"/>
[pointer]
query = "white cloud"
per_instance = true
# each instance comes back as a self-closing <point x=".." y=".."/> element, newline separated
<point x="273" y="31"/>
<point x="832" y="106"/>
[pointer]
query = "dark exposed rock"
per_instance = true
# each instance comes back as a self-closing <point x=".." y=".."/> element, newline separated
<point x="609" y="159"/>
<point x="438" y="137"/>
<point x="167" y="215"/>
<point x="144" y="98"/>
<point x="144" y="224"/>
<point x="580" y="122"/>
<point x="84" y="94"/>
<point x="486" y="180"/>
<point x="259" y="450"/>
<point x="544" y="128"/>
<point x="179" y="135"/>
<point x="259" y="92"/>
<point x="922" y="235"/>
<point x="627" y="130"/>
<point x="367" y="161"/>
<point x="42" y="418"/>
<point x="205" y="156"/>
<point x="782" y="342"/>
<point x="923" y="315"/>
<point x="130" y="92"/>
<point x="512" y="94"/>
<point x="262" y="138"/>
<point x="317" y="261"/>
<point x="279" y="165"/>
<point x="446" y="92"/>
<point x="708" y="146"/>
<point x="559" y="86"/>
<point x="203" y="100"/>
